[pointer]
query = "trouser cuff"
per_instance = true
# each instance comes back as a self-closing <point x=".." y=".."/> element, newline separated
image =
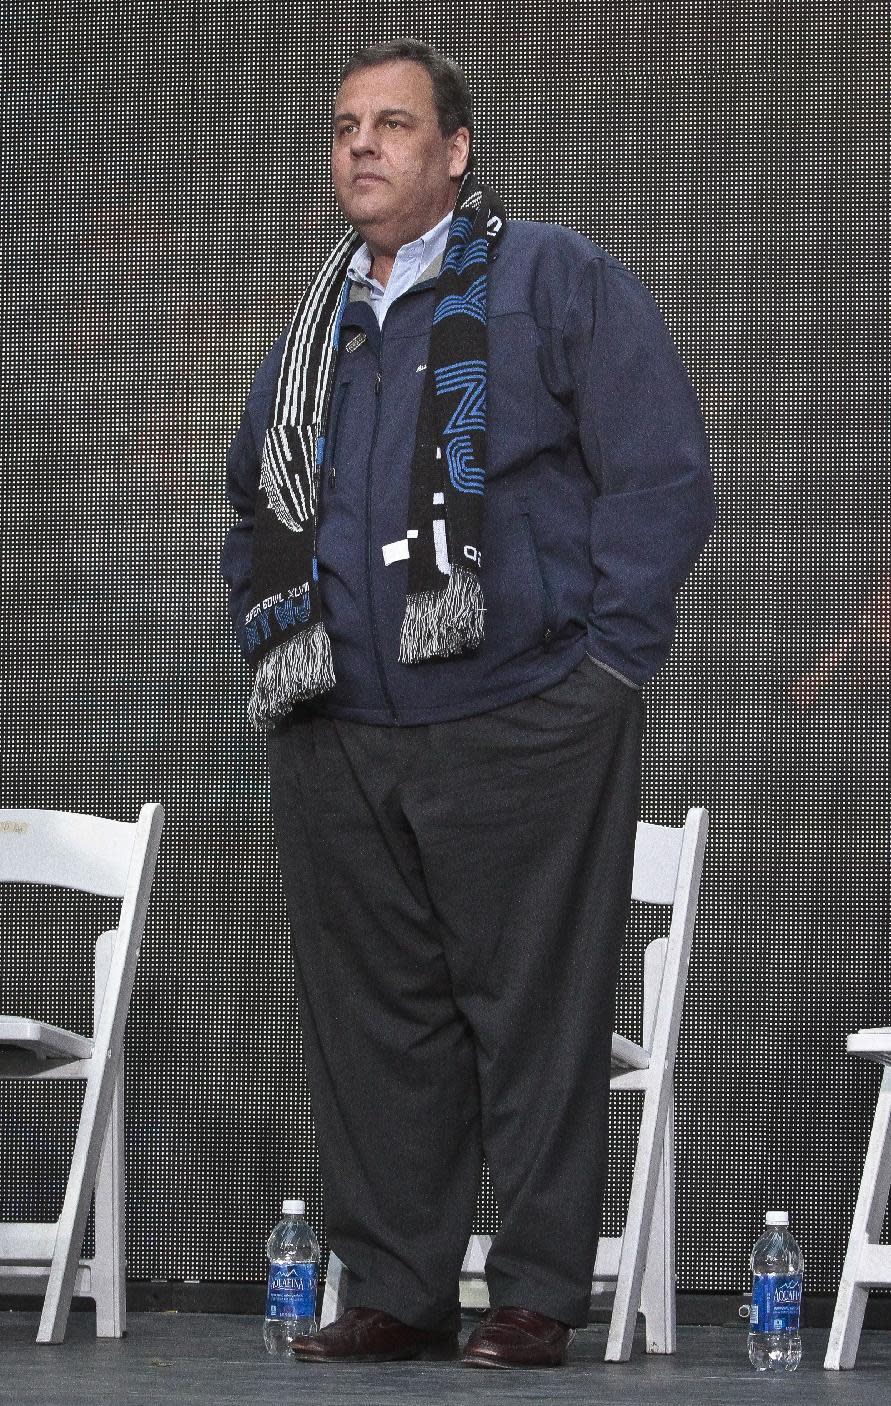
<point x="570" y="1308"/>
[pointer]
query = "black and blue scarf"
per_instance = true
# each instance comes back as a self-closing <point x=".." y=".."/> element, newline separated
<point x="288" y="645"/>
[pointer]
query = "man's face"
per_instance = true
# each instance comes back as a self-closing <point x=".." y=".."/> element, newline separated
<point x="394" y="172"/>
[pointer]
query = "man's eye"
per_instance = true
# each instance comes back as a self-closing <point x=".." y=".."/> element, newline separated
<point x="392" y="122"/>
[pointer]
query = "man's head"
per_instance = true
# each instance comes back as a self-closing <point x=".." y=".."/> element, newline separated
<point x="401" y="141"/>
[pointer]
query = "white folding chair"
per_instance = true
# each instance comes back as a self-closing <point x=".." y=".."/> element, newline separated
<point x="641" y="1262"/>
<point x="118" y="860"/>
<point x="867" y="1261"/>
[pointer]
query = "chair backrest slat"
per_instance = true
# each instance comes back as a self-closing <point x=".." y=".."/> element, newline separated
<point x="66" y="850"/>
<point x="657" y="855"/>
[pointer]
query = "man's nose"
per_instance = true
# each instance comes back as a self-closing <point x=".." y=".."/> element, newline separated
<point x="364" y="139"/>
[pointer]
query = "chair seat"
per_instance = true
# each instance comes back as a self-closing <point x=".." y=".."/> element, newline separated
<point x="872" y="1044"/>
<point x="627" y="1055"/>
<point x="43" y="1041"/>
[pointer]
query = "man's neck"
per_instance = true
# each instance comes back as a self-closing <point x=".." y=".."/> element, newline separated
<point x="381" y="265"/>
<point x="383" y="255"/>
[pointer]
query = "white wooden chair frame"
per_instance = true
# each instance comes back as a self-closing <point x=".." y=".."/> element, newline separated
<point x="641" y="1262"/>
<point x="867" y="1262"/>
<point x="104" y="857"/>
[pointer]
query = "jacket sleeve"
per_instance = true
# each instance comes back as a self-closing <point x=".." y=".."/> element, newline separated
<point x="643" y="442"/>
<point x="242" y="482"/>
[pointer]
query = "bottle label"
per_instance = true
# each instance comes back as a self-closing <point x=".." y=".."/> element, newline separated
<point x="291" y="1291"/>
<point x="776" y="1303"/>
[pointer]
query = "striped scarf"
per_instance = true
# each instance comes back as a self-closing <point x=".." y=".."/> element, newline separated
<point x="288" y="645"/>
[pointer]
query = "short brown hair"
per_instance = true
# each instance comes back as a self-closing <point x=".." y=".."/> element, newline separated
<point x="454" y="106"/>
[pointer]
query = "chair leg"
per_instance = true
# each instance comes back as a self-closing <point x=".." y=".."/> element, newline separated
<point x="866" y="1229"/>
<point x="108" y="1267"/>
<point x="635" y="1236"/>
<point x="92" y="1129"/>
<point x="473" y="1291"/>
<point x="334" y="1298"/>
<point x="658" y="1302"/>
<point x="76" y="1207"/>
<point x="647" y="1167"/>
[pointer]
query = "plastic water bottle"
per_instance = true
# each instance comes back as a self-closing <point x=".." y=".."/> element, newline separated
<point x="293" y="1254"/>
<point x="777" y="1279"/>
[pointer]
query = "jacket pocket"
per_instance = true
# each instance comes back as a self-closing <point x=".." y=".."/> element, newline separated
<point x="610" y="672"/>
<point x="548" y="614"/>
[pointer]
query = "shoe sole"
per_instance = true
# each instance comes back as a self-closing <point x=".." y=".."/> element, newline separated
<point x="493" y="1364"/>
<point x="424" y="1354"/>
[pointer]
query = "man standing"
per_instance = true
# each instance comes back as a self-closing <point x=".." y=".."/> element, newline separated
<point x="470" y="480"/>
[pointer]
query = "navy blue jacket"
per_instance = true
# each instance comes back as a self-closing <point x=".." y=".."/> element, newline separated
<point x="598" y="491"/>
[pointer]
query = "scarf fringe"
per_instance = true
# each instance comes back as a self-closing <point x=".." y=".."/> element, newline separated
<point x="439" y="624"/>
<point x="292" y="672"/>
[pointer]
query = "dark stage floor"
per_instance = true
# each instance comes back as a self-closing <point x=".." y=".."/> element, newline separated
<point x="194" y="1359"/>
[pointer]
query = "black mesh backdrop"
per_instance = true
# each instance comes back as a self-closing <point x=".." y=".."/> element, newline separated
<point x="164" y="186"/>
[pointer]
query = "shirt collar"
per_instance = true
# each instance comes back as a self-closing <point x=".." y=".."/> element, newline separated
<point x="421" y="251"/>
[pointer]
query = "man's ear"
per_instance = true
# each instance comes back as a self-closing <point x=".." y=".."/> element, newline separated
<point x="459" y="151"/>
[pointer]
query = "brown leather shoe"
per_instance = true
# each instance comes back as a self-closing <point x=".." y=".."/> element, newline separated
<point x="517" y="1337"/>
<point x="370" y="1335"/>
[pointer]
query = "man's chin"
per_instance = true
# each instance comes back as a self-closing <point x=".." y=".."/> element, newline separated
<point x="365" y="207"/>
<point x="367" y="215"/>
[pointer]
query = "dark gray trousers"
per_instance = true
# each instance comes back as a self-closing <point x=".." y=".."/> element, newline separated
<point x="457" y="895"/>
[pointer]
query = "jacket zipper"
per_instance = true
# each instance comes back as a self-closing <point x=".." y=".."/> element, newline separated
<point x="368" y="544"/>
<point x="335" y="424"/>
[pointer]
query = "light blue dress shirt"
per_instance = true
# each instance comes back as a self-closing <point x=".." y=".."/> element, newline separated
<point x="411" y="261"/>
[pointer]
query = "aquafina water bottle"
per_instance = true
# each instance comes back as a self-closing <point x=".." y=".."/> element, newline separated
<point x="293" y="1254"/>
<point x="777" y="1279"/>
